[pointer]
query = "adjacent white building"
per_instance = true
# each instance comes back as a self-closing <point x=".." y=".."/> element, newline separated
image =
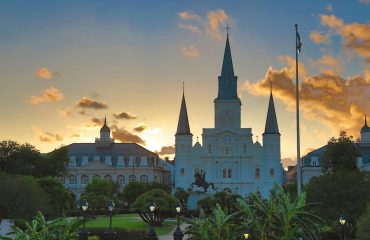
<point x="228" y="154"/>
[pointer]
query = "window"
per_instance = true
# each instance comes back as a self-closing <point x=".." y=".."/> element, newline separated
<point x="224" y="174"/>
<point x="229" y="173"/>
<point x="245" y="148"/>
<point x="258" y="174"/>
<point x="144" y="178"/>
<point x="108" y="160"/>
<point x="272" y="172"/>
<point x="182" y="171"/>
<point x="72" y="161"/>
<point x="209" y="149"/>
<point x="121" y="180"/>
<point x="84" y="180"/>
<point x="72" y="180"/>
<point x="132" y="178"/>
<point x="314" y="161"/>
<point x="120" y="161"/>
<point x="108" y="177"/>
<point x="227" y="151"/>
<point x="85" y="161"/>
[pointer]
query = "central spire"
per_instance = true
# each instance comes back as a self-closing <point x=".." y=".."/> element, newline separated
<point x="227" y="82"/>
<point x="183" y="127"/>
<point x="271" y="126"/>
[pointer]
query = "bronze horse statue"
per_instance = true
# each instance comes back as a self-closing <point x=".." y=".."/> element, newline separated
<point x="200" y="181"/>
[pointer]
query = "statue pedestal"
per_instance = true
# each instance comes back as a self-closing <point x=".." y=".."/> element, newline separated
<point x="193" y="199"/>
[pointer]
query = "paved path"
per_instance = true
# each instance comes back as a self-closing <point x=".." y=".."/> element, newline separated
<point x="170" y="235"/>
<point x="6" y="227"/>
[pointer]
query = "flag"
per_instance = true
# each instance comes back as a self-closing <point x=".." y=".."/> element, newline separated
<point x="298" y="43"/>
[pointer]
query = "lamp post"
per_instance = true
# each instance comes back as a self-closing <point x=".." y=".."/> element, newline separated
<point x="83" y="234"/>
<point x="342" y="221"/>
<point x="178" y="235"/>
<point x="110" y="234"/>
<point x="246" y="232"/>
<point x="151" y="234"/>
<point x="78" y="207"/>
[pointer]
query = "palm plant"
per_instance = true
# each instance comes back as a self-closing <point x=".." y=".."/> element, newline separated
<point x="279" y="217"/>
<point x="41" y="229"/>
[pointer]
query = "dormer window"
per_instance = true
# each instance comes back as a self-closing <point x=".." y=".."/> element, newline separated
<point x="108" y="160"/>
<point x="314" y="161"/>
<point x="72" y="161"/>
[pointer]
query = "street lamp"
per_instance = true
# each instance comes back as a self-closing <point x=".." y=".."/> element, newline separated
<point x="342" y="221"/>
<point x="83" y="234"/>
<point x="246" y="232"/>
<point x="151" y="234"/>
<point x="110" y="233"/>
<point x="178" y="235"/>
<point x="78" y="207"/>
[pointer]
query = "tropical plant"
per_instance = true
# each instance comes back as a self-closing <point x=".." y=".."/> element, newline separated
<point x="163" y="201"/>
<point x="280" y="217"/>
<point x="218" y="226"/>
<point x="41" y="229"/>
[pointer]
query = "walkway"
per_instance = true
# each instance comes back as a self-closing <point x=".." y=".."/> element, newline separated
<point x="170" y="235"/>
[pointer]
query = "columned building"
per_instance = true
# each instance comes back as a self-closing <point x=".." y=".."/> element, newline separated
<point x="106" y="159"/>
<point x="228" y="155"/>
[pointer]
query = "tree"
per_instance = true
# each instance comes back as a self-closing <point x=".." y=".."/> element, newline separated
<point x="163" y="201"/>
<point x="227" y="201"/>
<point x="182" y="196"/>
<point x="21" y="197"/>
<point x="98" y="193"/>
<point x="59" y="198"/>
<point x="339" y="193"/>
<point x="40" y="229"/>
<point x="341" y="154"/>
<point x="134" y="189"/>
<point x="363" y="225"/>
<point x="53" y="164"/>
<point x="279" y="216"/>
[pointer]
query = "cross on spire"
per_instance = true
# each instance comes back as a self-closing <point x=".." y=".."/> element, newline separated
<point x="227" y="29"/>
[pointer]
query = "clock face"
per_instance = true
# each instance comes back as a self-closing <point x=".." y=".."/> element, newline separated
<point x="227" y="139"/>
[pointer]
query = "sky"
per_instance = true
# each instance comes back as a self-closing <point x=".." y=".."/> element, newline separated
<point x="64" y="65"/>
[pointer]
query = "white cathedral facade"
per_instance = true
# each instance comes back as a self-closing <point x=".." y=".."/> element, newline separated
<point x="229" y="157"/>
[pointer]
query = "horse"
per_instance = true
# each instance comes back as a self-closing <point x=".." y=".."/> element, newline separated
<point x="201" y="182"/>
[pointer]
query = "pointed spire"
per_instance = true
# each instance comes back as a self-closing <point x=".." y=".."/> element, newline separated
<point x="105" y="127"/>
<point x="365" y="128"/>
<point x="227" y="65"/>
<point x="271" y="126"/>
<point x="183" y="127"/>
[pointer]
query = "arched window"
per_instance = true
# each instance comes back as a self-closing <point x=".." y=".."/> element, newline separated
<point x="144" y="178"/>
<point x="272" y="172"/>
<point x="132" y="178"/>
<point x="229" y="173"/>
<point x="121" y="180"/>
<point x="258" y="174"/>
<point x="224" y="173"/>
<point x="97" y="177"/>
<point x="84" y="180"/>
<point x="72" y="179"/>
<point x="108" y="177"/>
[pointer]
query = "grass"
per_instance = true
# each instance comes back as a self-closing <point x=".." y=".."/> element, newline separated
<point x="130" y="222"/>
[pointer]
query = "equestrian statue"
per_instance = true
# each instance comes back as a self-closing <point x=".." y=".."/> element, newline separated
<point x="200" y="181"/>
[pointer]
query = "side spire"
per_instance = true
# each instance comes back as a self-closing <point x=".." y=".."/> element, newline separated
<point x="183" y="127"/>
<point x="271" y="126"/>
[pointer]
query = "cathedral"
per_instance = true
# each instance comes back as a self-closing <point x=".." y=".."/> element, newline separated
<point x="229" y="158"/>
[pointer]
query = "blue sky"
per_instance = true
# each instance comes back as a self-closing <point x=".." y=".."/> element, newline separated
<point x="134" y="56"/>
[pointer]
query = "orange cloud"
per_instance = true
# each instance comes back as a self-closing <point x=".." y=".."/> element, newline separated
<point x="140" y="127"/>
<point x="86" y="102"/>
<point x="329" y="64"/>
<point x="167" y="150"/>
<point x="215" y="20"/>
<point x="190" y="27"/>
<point x="337" y="102"/>
<point x="124" y="115"/>
<point x="65" y="112"/>
<point x="94" y="123"/>
<point x="186" y="15"/>
<point x="125" y="136"/>
<point x="49" y="95"/>
<point x="46" y="136"/>
<point x="190" y="52"/>
<point x="319" y="38"/>
<point x="44" y="73"/>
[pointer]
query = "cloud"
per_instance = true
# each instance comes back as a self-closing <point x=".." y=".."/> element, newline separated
<point x="186" y="15"/>
<point x="190" y="52"/>
<point x="65" y="112"/>
<point x="46" y="136"/>
<point x="75" y="135"/>
<point x="215" y="19"/>
<point x="355" y="36"/>
<point x="367" y="2"/>
<point x="45" y="73"/>
<point x="140" y="127"/>
<point x="329" y="64"/>
<point x="167" y="150"/>
<point x="125" y="136"/>
<point x="319" y="38"/>
<point x="124" y="115"/>
<point x="49" y="95"/>
<point x="210" y="24"/>
<point x="86" y="102"/>
<point x="336" y="102"/>
<point x="94" y="123"/>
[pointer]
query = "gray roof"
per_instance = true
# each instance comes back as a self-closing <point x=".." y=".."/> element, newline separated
<point x="271" y="126"/>
<point x="183" y="127"/>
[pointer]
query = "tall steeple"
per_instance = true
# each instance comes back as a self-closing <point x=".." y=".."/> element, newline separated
<point x="365" y="128"/>
<point x="227" y="82"/>
<point x="271" y="126"/>
<point x="183" y="127"/>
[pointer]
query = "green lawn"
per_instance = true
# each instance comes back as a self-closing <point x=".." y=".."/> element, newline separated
<point x="130" y="222"/>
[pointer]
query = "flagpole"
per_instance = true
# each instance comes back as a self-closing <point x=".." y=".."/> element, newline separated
<point x="299" y="184"/>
